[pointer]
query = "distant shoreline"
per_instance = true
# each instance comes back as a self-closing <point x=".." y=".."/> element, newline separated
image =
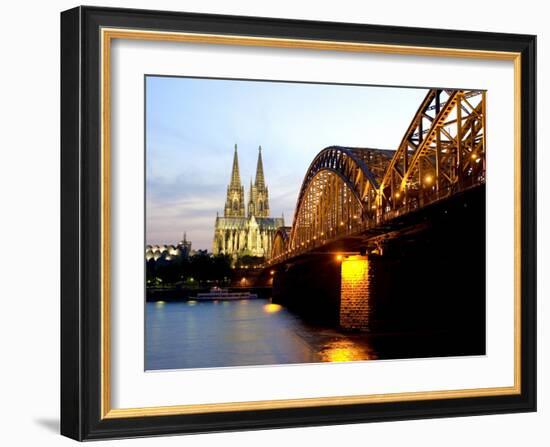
<point x="175" y="294"/>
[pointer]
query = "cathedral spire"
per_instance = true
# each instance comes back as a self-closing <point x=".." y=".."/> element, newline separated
<point x="234" y="204"/>
<point x="260" y="180"/>
<point x="235" y="176"/>
<point x="258" y="204"/>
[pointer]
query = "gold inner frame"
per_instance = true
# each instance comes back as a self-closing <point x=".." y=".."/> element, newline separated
<point x="107" y="35"/>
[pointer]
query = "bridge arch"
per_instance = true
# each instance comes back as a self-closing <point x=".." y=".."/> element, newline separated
<point x="279" y="247"/>
<point x="347" y="190"/>
<point x="338" y="194"/>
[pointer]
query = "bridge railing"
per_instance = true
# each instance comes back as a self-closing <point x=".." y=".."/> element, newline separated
<point x="386" y="216"/>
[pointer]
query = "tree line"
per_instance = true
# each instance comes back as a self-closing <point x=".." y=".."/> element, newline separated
<point x="199" y="269"/>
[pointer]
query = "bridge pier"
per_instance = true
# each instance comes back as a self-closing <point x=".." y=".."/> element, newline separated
<point x="310" y="287"/>
<point x="429" y="278"/>
<point x="338" y="292"/>
<point x="327" y="290"/>
<point x="356" y="294"/>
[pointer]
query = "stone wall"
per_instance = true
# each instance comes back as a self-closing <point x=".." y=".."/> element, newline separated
<point x="356" y="293"/>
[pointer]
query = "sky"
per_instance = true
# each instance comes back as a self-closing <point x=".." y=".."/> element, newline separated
<point x="192" y="126"/>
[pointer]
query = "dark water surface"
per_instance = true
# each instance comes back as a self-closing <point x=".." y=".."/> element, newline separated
<point x="256" y="332"/>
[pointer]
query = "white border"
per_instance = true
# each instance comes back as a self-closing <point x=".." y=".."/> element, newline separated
<point x="132" y="387"/>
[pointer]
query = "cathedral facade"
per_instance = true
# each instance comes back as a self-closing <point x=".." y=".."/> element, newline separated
<point x="246" y="227"/>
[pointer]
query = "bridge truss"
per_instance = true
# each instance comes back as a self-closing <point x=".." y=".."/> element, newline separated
<point x="349" y="190"/>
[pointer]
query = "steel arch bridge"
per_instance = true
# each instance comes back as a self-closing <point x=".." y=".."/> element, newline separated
<point x="347" y="191"/>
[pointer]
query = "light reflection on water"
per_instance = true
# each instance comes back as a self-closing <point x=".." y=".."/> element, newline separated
<point x="345" y="351"/>
<point x="271" y="308"/>
<point x="196" y="334"/>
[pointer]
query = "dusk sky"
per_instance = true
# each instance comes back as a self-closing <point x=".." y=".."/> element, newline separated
<point x="193" y="124"/>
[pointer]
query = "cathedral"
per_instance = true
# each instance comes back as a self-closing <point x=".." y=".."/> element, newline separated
<point x="246" y="228"/>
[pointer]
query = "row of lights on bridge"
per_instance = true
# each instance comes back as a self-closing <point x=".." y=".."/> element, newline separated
<point x="428" y="181"/>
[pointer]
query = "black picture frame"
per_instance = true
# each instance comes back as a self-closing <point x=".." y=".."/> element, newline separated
<point x="81" y="387"/>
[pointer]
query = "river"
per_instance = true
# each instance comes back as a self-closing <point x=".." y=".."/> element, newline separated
<point x="196" y="334"/>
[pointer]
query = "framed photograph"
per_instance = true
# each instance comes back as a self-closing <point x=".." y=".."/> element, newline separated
<point x="277" y="223"/>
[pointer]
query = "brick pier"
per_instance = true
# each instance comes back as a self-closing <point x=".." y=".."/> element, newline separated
<point x="356" y="293"/>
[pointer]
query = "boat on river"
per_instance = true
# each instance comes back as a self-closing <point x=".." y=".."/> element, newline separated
<point x="217" y="293"/>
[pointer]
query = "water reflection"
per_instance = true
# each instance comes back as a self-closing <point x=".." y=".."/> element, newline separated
<point x="272" y="308"/>
<point x="345" y="350"/>
<point x="196" y="334"/>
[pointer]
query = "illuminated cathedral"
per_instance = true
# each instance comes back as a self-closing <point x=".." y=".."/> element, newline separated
<point x="246" y="228"/>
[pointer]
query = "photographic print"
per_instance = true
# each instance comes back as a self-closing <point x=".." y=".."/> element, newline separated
<point x="292" y="222"/>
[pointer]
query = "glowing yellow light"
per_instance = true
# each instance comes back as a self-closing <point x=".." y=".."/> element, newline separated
<point x="355" y="281"/>
<point x="339" y="257"/>
<point x="341" y="223"/>
<point x="271" y="308"/>
<point x="345" y="351"/>
<point x="428" y="180"/>
<point x="353" y="268"/>
<point x="397" y="195"/>
<point x="191" y="302"/>
<point x="159" y="303"/>
<point x="322" y="233"/>
<point x="272" y="272"/>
